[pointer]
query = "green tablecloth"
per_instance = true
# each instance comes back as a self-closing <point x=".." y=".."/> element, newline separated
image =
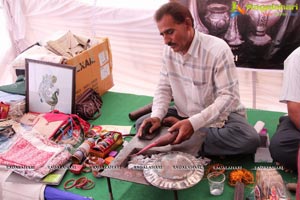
<point x="115" y="111"/>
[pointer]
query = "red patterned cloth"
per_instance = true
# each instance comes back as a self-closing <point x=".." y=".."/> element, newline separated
<point x="33" y="156"/>
<point x="40" y="151"/>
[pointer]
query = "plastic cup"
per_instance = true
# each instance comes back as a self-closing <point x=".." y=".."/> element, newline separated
<point x="216" y="183"/>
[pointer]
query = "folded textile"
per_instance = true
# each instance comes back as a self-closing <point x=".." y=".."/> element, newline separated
<point x="36" y="52"/>
<point x="68" y="45"/>
<point x="16" y="88"/>
<point x="6" y="142"/>
<point x="9" y="97"/>
<point x="46" y="146"/>
<point x="33" y="156"/>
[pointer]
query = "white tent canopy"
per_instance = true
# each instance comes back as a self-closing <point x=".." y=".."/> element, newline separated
<point x="135" y="42"/>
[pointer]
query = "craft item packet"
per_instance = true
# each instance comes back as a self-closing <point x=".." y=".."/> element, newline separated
<point x="88" y="105"/>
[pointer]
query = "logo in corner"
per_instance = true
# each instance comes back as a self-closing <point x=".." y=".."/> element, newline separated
<point x="236" y="10"/>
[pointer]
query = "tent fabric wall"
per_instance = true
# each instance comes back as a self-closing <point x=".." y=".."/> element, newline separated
<point x="135" y="42"/>
<point x="7" y="52"/>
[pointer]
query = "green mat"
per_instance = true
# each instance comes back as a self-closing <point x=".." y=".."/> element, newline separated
<point x="115" y="111"/>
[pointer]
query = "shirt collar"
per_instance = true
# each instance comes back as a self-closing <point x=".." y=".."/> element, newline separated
<point x="194" y="48"/>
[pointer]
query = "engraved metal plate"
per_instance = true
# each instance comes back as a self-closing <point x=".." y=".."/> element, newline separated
<point x="173" y="170"/>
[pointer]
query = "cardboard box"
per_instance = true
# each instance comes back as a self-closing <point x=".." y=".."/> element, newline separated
<point x="93" y="68"/>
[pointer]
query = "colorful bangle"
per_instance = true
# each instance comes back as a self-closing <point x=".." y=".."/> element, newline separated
<point x="81" y="182"/>
<point x="98" y="141"/>
<point x="88" y="186"/>
<point x="66" y="186"/>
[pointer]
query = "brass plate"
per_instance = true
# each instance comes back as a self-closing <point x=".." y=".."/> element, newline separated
<point x="173" y="170"/>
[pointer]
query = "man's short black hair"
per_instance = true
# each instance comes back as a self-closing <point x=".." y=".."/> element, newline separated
<point x="178" y="11"/>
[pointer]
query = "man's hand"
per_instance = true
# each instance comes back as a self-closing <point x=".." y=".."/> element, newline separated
<point x="185" y="129"/>
<point x="155" y="121"/>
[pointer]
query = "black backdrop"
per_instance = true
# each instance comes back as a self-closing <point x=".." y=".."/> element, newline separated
<point x="284" y="32"/>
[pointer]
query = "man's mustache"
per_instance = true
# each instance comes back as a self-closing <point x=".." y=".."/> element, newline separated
<point x="171" y="44"/>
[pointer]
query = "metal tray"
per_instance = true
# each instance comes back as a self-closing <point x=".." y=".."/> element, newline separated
<point x="173" y="170"/>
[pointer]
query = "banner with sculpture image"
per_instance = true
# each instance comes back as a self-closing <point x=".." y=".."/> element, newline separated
<point x="261" y="33"/>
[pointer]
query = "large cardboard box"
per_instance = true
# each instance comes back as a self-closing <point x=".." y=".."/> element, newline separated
<point x="93" y="68"/>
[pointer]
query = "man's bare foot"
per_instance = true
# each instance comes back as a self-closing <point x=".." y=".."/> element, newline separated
<point x="169" y="121"/>
<point x="291" y="186"/>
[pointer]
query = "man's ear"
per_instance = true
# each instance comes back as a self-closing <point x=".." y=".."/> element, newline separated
<point x="188" y="21"/>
